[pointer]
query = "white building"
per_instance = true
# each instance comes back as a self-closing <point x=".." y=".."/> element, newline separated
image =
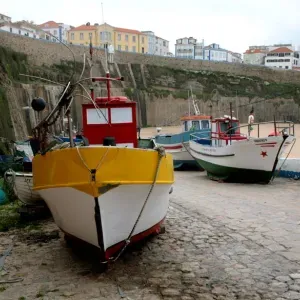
<point x="4" y="18"/>
<point x="161" y="46"/>
<point x="256" y="55"/>
<point x="282" y="58"/>
<point x="185" y="48"/>
<point x="151" y="41"/>
<point x="234" y="57"/>
<point x="189" y="48"/>
<point x="59" y="30"/>
<point x="22" y="28"/>
<point x="213" y="52"/>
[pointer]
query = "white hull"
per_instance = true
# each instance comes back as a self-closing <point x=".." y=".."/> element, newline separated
<point x="23" y="184"/>
<point x="253" y="154"/>
<point x="178" y="151"/>
<point x="73" y="211"/>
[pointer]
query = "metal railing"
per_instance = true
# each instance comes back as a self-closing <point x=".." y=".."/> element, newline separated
<point x="279" y="127"/>
<point x="289" y="125"/>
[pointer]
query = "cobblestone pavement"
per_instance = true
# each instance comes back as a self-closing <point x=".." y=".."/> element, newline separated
<point x="222" y="241"/>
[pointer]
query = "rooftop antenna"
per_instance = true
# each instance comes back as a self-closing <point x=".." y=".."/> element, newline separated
<point x="106" y="37"/>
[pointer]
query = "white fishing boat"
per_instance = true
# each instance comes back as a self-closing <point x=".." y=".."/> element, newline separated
<point x="22" y="183"/>
<point x="177" y="144"/>
<point x="233" y="156"/>
<point x="18" y="173"/>
<point x="108" y="193"/>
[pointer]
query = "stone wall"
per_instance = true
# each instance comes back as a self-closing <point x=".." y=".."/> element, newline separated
<point x="45" y="53"/>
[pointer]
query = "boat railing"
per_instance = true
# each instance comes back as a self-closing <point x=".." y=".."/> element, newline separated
<point x="279" y="127"/>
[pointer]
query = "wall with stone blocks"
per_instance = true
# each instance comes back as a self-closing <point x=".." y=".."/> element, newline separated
<point x="41" y="52"/>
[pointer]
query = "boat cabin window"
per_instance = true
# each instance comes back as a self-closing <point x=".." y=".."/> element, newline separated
<point x="195" y="125"/>
<point x="186" y="126"/>
<point x="205" y="124"/>
<point x="224" y="127"/>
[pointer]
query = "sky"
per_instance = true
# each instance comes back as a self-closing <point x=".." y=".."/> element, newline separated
<point x="233" y="24"/>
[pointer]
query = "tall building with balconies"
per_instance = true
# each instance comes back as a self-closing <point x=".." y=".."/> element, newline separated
<point x="185" y="48"/>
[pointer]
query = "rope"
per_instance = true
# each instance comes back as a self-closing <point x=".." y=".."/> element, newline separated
<point x="278" y="171"/>
<point x="161" y="154"/>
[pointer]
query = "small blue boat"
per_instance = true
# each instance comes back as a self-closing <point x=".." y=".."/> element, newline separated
<point x="178" y="144"/>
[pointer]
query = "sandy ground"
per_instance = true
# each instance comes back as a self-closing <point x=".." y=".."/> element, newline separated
<point x="264" y="131"/>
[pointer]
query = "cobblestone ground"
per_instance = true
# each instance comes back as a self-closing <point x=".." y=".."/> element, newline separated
<point x="222" y="241"/>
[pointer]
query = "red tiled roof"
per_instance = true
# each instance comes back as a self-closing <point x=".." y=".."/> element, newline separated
<point x="253" y="51"/>
<point x="49" y="24"/>
<point x="282" y="50"/>
<point x="127" y="30"/>
<point x="84" y="27"/>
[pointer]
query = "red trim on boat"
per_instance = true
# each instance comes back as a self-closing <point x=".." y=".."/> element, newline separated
<point x="138" y="237"/>
<point x="272" y="143"/>
<point x="172" y="147"/>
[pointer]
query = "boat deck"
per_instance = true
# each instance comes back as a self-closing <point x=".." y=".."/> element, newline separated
<point x="222" y="241"/>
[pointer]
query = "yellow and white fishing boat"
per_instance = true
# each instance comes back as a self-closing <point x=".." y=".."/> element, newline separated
<point x="108" y="192"/>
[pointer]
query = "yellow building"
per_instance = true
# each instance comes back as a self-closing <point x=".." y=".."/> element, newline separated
<point x="82" y="35"/>
<point x="105" y="34"/>
<point x="121" y="38"/>
<point x="130" y="40"/>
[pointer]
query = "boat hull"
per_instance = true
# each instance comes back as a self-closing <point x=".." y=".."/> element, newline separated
<point x="23" y="187"/>
<point x="103" y="213"/>
<point x="181" y="156"/>
<point x="177" y="145"/>
<point x="119" y="209"/>
<point x="248" y="161"/>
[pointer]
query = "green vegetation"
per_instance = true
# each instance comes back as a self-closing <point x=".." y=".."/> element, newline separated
<point x="10" y="218"/>
<point x="207" y="82"/>
<point x="13" y="63"/>
<point x="40" y="294"/>
<point x="5" y="120"/>
<point x="2" y="288"/>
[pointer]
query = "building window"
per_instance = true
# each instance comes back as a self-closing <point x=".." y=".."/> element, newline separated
<point x="126" y="38"/>
<point x="10" y="29"/>
<point x="286" y="67"/>
<point x="164" y="43"/>
<point x="90" y="35"/>
<point x="143" y="40"/>
<point x="119" y="47"/>
<point x="126" y="48"/>
<point x="143" y="50"/>
<point x="133" y="49"/>
<point x="55" y="32"/>
<point x="19" y="31"/>
<point x="119" y="37"/>
<point x="72" y="36"/>
<point x="81" y="36"/>
<point x="105" y="36"/>
<point x="133" y="38"/>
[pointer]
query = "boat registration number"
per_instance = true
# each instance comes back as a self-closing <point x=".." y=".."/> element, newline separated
<point x="260" y="140"/>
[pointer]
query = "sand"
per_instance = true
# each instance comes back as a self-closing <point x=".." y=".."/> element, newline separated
<point x="264" y="131"/>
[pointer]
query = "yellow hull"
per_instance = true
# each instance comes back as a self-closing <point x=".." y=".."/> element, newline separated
<point x="112" y="166"/>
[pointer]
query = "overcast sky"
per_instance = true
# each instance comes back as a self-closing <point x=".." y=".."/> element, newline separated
<point x="233" y="24"/>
